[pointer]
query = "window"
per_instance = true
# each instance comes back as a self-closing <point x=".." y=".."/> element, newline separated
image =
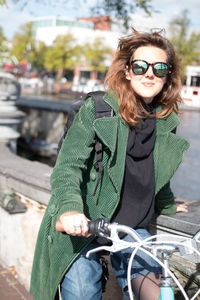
<point x="195" y="81"/>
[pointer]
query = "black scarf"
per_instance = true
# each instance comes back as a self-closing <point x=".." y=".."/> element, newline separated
<point x="136" y="206"/>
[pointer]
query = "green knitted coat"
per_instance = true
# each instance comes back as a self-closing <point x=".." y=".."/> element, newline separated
<point x="74" y="179"/>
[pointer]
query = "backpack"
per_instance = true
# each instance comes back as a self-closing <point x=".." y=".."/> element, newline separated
<point x="102" y="109"/>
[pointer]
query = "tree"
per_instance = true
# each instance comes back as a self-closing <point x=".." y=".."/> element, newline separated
<point x="24" y="43"/>
<point x="38" y="56"/>
<point x="96" y="54"/>
<point x="27" y="50"/>
<point x="186" y="44"/>
<point x="63" y="54"/>
<point x="3" y="40"/>
<point x="121" y="9"/>
<point x="4" y="49"/>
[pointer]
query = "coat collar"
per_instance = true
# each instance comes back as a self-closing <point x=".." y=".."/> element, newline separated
<point x="113" y="132"/>
<point x="107" y="128"/>
<point x="111" y="99"/>
<point x="166" y="124"/>
<point x="163" y="125"/>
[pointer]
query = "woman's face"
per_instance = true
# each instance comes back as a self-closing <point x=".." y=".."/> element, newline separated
<point x="147" y="85"/>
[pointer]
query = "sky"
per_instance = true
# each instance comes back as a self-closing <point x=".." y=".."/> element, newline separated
<point x="14" y="14"/>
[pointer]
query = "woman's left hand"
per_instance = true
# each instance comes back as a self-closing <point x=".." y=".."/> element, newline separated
<point x="181" y="208"/>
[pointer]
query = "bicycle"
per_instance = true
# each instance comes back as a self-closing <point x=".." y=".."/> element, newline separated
<point x="151" y="246"/>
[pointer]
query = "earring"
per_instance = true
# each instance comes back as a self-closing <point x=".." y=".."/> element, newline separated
<point x="127" y="74"/>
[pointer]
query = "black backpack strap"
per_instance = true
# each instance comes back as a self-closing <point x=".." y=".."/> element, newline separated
<point x="102" y="109"/>
<point x="99" y="165"/>
<point x="74" y="108"/>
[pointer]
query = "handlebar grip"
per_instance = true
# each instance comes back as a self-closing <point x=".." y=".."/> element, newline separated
<point x="99" y="227"/>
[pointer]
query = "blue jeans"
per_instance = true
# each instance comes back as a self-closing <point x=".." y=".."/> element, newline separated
<point x="83" y="279"/>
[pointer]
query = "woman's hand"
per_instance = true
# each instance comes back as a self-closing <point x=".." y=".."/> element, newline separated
<point x="74" y="223"/>
<point x="181" y="208"/>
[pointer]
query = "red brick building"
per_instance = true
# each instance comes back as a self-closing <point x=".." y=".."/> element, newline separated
<point x="100" y="23"/>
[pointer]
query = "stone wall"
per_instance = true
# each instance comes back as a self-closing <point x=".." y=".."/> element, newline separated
<point x="18" y="233"/>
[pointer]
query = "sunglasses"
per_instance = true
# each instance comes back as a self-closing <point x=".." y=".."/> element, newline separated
<point x="140" y="67"/>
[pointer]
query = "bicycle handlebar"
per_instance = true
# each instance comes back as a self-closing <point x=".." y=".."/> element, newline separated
<point x="103" y="228"/>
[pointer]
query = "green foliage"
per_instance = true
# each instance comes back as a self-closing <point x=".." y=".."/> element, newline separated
<point x="3" y="40"/>
<point x="2" y="2"/>
<point x="38" y="55"/>
<point x="96" y="54"/>
<point x="4" y="51"/>
<point x="26" y="49"/>
<point x="63" y="54"/>
<point x="186" y="44"/>
<point x="121" y="9"/>
<point x="23" y="43"/>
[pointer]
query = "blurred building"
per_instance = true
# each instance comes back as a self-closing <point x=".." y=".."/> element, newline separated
<point x="83" y="29"/>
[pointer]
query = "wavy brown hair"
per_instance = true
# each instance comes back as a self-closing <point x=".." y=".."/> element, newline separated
<point x="130" y="104"/>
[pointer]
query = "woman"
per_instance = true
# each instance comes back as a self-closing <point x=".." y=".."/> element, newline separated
<point x="140" y="155"/>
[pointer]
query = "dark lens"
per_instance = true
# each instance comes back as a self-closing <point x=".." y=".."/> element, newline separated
<point x="139" y="67"/>
<point x="160" y="69"/>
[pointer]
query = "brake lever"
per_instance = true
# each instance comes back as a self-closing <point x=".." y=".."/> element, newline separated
<point x="117" y="244"/>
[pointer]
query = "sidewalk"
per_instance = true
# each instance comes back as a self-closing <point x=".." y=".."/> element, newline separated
<point x="10" y="288"/>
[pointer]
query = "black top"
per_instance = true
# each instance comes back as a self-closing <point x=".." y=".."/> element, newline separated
<point x="136" y="207"/>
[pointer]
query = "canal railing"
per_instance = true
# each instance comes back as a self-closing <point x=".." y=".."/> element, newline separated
<point x="43" y="103"/>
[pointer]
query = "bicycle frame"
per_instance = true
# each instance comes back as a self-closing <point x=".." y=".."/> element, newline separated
<point x="166" y="293"/>
<point x="165" y="248"/>
<point x="166" y="286"/>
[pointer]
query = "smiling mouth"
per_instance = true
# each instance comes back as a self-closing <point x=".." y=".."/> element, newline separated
<point x="148" y="84"/>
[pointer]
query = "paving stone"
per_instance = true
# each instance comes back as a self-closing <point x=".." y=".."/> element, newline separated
<point x="10" y="287"/>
